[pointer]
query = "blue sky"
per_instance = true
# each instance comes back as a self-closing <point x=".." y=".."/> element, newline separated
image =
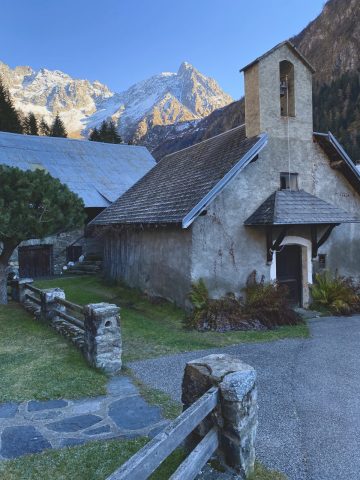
<point x="120" y="42"/>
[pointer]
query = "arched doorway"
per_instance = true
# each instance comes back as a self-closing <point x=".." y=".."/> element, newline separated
<point x="292" y="266"/>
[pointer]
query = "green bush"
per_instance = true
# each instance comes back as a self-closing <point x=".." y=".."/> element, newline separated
<point x="338" y="295"/>
<point x="265" y="306"/>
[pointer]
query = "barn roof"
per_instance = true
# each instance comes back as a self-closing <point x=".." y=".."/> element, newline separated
<point x="297" y="207"/>
<point x="180" y="186"/>
<point x="98" y="172"/>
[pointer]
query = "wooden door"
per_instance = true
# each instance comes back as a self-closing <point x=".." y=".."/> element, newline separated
<point x="73" y="252"/>
<point x="35" y="261"/>
<point x="289" y="271"/>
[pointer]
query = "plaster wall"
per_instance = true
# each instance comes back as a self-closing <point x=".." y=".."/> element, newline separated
<point x="262" y="88"/>
<point x="225" y="252"/>
<point x="342" y="249"/>
<point x="156" y="260"/>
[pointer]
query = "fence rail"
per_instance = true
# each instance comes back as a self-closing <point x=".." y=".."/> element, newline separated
<point x="69" y="318"/>
<point x="191" y="466"/>
<point x="146" y="460"/>
<point x="32" y="288"/>
<point x="71" y="305"/>
<point x="32" y="298"/>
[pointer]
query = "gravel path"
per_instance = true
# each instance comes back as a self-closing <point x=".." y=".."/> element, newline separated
<point x="309" y="397"/>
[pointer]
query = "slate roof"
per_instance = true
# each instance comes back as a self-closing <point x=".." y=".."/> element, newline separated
<point x="176" y="189"/>
<point x="290" y="207"/>
<point x="98" y="172"/>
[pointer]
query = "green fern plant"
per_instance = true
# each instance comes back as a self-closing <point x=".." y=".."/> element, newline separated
<point x="334" y="293"/>
<point x="199" y="295"/>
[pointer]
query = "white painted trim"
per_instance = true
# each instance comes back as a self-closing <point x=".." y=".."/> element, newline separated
<point x="294" y="240"/>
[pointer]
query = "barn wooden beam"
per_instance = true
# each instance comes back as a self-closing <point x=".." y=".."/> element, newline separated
<point x="316" y="244"/>
<point x="326" y="234"/>
<point x="336" y="164"/>
<point x="269" y="244"/>
<point x="273" y="246"/>
<point x="314" y="247"/>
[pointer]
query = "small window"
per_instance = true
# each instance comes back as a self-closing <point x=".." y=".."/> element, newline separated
<point x="288" y="181"/>
<point x="287" y="89"/>
<point x="322" y="261"/>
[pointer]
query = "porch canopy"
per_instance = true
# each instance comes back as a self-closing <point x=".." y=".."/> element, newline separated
<point x="285" y="208"/>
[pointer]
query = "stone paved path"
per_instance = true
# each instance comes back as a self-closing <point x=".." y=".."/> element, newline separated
<point x="309" y="398"/>
<point x="33" y="426"/>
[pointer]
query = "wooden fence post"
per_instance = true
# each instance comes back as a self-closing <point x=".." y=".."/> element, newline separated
<point x="236" y="415"/>
<point x="102" y="338"/>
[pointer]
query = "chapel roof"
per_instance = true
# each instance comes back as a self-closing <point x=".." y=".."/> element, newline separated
<point x="297" y="207"/>
<point x="178" y="188"/>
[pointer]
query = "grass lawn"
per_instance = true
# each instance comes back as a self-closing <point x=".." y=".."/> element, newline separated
<point x="95" y="461"/>
<point x="37" y="363"/>
<point x="154" y="329"/>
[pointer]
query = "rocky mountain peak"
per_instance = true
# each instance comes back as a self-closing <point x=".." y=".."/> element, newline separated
<point x="164" y="99"/>
<point x="186" y="67"/>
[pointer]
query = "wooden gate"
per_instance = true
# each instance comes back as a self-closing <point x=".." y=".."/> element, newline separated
<point x="35" y="261"/>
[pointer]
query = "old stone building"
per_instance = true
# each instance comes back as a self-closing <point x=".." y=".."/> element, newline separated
<point x="97" y="172"/>
<point x="270" y="195"/>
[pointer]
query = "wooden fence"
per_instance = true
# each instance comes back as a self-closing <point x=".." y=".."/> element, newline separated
<point x="222" y="419"/>
<point x="73" y="307"/>
<point x="94" y="328"/>
<point x="148" y="459"/>
<point x="33" y="298"/>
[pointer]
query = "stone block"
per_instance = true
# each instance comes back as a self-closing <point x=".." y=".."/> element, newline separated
<point x="236" y="415"/>
<point x="49" y="303"/>
<point x="102" y="338"/>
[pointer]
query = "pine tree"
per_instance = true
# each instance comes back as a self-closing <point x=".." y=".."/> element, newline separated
<point x="107" y="133"/>
<point x="33" y="205"/>
<point x="9" y="117"/>
<point x="31" y="125"/>
<point x="113" y="134"/>
<point x="94" y="135"/>
<point x="103" y="132"/>
<point x="58" y="128"/>
<point x="44" y="128"/>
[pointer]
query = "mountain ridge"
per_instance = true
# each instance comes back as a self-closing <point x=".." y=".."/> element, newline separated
<point x="162" y="99"/>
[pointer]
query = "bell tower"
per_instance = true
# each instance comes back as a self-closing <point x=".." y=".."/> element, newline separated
<point x="278" y="94"/>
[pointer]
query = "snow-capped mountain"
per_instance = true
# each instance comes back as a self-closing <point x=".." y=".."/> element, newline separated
<point x="179" y="99"/>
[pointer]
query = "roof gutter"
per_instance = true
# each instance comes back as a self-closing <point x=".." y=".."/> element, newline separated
<point x="210" y="196"/>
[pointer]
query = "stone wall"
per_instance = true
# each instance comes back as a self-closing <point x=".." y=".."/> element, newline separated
<point x="60" y="242"/>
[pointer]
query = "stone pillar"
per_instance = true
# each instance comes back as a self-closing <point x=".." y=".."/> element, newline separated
<point x="18" y="289"/>
<point x="49" y="305"/>
<point x="102" y="339"/>
<point x="236" y="416"/>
